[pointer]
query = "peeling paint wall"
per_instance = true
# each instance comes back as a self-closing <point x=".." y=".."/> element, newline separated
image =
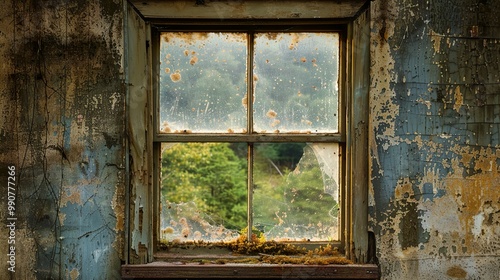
<point x="62" y="126"/>
<point x="434" y="142"/>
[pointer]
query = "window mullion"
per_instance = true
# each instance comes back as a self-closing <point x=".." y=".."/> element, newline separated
<point x="250" y="83"/>
<point x="250" y="97"/>
<point x="250" y="192"/>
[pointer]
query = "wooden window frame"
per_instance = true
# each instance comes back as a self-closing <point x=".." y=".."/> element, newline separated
<point x="354" y="223"/>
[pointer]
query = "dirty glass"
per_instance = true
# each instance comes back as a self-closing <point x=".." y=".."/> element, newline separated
<point x="203" y="89"/>
<point x="296" y="191"/>
<point x="204" y="191"/>
<point x="202" y="82"/>
<point x="296" y="82"/>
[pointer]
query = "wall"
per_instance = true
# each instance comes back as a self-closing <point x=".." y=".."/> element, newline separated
<point x="434" y="204"/>
<point x="434" y="143"/>
<point x="62" y="126"/>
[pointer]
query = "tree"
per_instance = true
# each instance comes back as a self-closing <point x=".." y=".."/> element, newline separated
<point x="209" y="174"/>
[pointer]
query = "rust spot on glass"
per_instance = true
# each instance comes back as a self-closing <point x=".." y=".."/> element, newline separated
<point x="165" y="127"/>
<point x="271" y="36"/>
<point x="313" y="61"/>
<point x="193" y="60"/>
<point x="244" y="101"/>
<point x="186" y="36"/>
<point x="295" y="39"/>
<point x="271" y="113"/>
<point x="275" y="123"/>
<point x="175" y="77"/>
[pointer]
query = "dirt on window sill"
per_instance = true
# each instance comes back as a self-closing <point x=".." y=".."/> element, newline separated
<point x="242" y="259"/>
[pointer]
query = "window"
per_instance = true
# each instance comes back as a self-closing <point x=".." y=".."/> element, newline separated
<point x="271" y="163"/>
<point x="252" y="129"/>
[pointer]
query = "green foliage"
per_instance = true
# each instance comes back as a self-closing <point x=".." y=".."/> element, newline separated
<point x="308" y="202"/>
<point x="288" y="193"/>
<point x="295" y="203"/>
<point x="211" y="175"/>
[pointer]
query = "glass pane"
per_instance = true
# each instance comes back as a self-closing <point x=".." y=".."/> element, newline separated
<point x="203" y="191"/>
<point x="296" y="191"/>
<point x="296" y="82"/>
<point x="203" y="82"/>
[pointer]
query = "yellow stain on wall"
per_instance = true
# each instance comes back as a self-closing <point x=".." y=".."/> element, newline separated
<point x="73" y="274"/>
<point x="459" y="99"/>
<point x="461" y="215"/>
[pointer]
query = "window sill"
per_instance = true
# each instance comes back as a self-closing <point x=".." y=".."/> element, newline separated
<point x="172" y="270"/>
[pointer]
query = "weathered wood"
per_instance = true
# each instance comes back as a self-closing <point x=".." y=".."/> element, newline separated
<point x="140" y="148"/>
<point x="249" y="271"/>
<point x="158" y="9"/>
<point x="358" y="133"/>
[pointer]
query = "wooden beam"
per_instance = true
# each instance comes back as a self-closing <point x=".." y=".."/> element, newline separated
<point x="248" y="271"/>
<point x="249" y="9"/>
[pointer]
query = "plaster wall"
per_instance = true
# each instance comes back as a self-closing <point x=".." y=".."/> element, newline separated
<point x="62" y="126"/>
<point x="434" y="138"/>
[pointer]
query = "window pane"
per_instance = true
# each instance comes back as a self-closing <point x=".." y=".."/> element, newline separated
<point x="296" y="191"/>
<point x="296" y="82"/>
<point x="203" y="191"/>
<point x="203" y="82"/>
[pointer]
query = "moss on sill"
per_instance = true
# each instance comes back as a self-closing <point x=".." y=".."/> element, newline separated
<point x="284" y="259"/>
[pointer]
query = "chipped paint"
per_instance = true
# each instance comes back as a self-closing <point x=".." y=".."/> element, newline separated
<point x="140" y="149"/>
<point x="383" y="109"/>
<point x="63" y="131"/>
<point x="435" y="173"/>
<point x="459" y="99"/>
<point x="73" y="274"/>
